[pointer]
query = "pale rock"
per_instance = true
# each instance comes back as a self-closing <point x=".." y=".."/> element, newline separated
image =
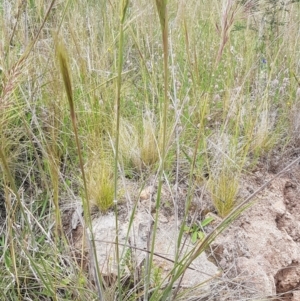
<point x="146" y="193"/>
<point x="296" y="296"/>
<point x="279" y="207"/>
<point x="255" y="276"/>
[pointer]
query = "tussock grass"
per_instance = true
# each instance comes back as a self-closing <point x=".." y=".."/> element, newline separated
<point x="224" y="189"/>
<point x="141" y="144"/>
<point x="100" y="184"/>
<point x="212" y="84"/>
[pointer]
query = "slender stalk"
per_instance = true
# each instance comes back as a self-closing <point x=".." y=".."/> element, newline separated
<point x="9" y="179"/>
<point x="162" y="12"/>
<point x="123" y="8"/>
<point x="11" y="235"/>
<point x="87" y="214"/>
<point x="31" y="45"/>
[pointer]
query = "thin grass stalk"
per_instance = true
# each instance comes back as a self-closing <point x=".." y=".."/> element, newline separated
<point x="26" y="27"/>
<point x="62" y="17"/>
<point x="21" y="9"/>
<point x="47" y="279"/>
<point x="10" y="185"/>
<point x="189" y="200"/>
<point x="34" y="140"/>
<point x="31" y="45"/>
<point x="230" y="11"/>
<point x="12" y="239"/>
<point x="177" y="133"/>
<point x="13" y="186"/>
<point x="9" y="179"/>
<point x="177" y="271"/>
<point x="87" y="214"/>
<point x="161" y="6"/>
<point x="54" y="172"/>
<point x="54" y="175"/>
<point x="123" y="9"/>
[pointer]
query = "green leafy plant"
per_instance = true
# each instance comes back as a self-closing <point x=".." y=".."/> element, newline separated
<point x="196" y="230"/>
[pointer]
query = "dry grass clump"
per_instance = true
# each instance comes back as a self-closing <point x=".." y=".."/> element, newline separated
<point x="224" y="163"/>
<point x="141" y="143"/>
<point x="150" y="141"/>
<point x="100" y="185"/>
<point x="129" y="147"/>
<point x="223" y="187"/>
